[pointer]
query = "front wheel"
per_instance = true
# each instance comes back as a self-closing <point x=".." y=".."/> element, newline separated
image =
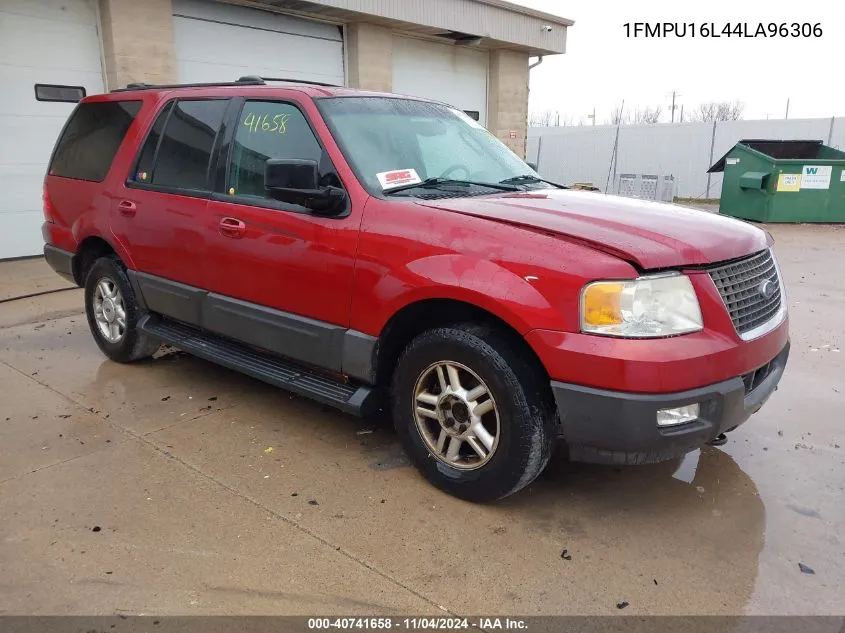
<point x="472" y="412"/>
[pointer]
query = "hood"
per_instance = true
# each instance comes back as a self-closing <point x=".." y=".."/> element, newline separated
<point x="648" y="234"/>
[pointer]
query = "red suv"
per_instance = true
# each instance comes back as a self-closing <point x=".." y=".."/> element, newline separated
<point x="370" y="250"/>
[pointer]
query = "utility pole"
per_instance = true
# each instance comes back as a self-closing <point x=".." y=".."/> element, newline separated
<point x="613" y="155"/>
<point x="682" y="113"/>
<point x="592" y="116"/>
<point x="787" y="108"/>
<point x="675" y="95"/>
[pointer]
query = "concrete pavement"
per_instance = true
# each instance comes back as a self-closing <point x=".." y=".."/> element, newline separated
<point x="214" y="493"/>
<point x="28" y="276"/>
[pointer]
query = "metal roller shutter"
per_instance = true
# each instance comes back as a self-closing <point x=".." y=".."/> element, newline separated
<point x="45" y="42"/>
<point x="216" y="42"/>
<point x="456" y="75"/>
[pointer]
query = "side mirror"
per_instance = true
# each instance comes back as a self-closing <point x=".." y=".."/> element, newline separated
<point x="532" y="165"/>
<point x="283" y="173"/>
<point x="297" y="182"/>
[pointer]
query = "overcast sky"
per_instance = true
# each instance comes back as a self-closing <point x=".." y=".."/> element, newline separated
<point x="601" y="66"/>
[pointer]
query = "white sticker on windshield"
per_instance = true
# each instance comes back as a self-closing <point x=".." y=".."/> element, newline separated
<point x="398" y="177"/>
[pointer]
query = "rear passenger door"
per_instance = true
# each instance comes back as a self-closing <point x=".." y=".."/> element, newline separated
<point x="159" y="214"/>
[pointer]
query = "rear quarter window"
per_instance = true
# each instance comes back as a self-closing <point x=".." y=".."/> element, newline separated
<point x="91" y="138"/>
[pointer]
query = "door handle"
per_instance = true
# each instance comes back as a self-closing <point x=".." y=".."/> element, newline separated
<point x="127" y="208"/>
<point x="232" y="227"/>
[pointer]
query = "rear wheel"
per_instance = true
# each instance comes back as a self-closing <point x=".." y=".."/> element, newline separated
<point x="472" y="412"/>
<point x="113" y="313"/>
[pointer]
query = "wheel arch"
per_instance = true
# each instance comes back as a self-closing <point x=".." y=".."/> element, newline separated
<point x="90" y="250"/>
<point x="419" y="316"/>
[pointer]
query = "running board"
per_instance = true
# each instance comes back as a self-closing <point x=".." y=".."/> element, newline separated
<point x="357" y="400"/>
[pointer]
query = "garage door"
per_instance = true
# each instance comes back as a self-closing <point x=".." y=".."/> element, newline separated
<point x="46" y="42"/>
<point x="216" y="42"/>
<point x="456" y="75"/>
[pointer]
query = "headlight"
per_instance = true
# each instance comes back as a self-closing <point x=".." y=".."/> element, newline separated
<point x="663" y="305"/>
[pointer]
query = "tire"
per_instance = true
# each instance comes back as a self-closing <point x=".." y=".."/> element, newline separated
<point x="521" y="423"/>
<point x="121" y="311"/>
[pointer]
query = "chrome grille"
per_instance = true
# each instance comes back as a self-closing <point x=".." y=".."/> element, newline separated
<point x="740" y="285"/>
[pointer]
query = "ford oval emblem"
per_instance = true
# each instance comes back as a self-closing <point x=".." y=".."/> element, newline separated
<point x="767" y="288"/>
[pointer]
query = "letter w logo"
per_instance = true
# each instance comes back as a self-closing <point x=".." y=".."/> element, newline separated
<point x="812" y="171"/>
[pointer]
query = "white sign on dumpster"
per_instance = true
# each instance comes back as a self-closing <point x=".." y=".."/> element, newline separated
<point x="789" y="182"/>
<point x="816" y="177"/>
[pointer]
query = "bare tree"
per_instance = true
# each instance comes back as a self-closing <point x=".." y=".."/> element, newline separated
<point x="548" y="118"/>
<point x="718" y="111"/>
<point x="541" y="118"/>
<point x="731" y="110"/>
<point x="705" y="113"/>
<point x="646" y="115"/>
<point x="564" y="119"/>
<point x="617" y="116"/>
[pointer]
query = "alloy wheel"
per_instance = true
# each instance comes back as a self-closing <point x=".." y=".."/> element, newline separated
<point x="109" y="310"/>
<point x="456" y="415"/>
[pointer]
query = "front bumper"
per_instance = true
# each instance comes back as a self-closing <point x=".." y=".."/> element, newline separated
<point x="603" y="426"/>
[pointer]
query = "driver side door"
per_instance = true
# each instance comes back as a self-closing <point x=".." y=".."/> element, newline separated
<point x="281" y="277"/>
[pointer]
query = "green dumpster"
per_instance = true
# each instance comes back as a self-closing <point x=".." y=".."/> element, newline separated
<point x="783" y="181"/>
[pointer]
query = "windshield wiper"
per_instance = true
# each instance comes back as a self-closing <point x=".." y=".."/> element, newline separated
<point x="529" y="178"/>
<point x="437" y="181"/>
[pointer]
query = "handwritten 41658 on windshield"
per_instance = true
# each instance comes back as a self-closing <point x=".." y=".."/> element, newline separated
<point x="266" y="123"/>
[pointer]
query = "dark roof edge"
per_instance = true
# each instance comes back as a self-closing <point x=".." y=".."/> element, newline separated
<point x="719" y="165"/>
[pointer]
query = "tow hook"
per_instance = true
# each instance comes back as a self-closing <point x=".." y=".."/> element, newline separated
<point x="720" y="440"/>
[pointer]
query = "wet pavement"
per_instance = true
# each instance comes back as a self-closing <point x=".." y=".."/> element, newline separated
<point x="178" y="487"/>
<point x="29" y="276"/>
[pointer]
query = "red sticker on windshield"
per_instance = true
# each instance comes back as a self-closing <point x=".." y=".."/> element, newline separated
<point x="398" y="177"/>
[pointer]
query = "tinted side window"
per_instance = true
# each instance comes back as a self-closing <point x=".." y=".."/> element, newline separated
<point x="91" y="139"/>
<point x="144" y="168"/>
<point x="272" y="130"/>
<point x="185" y="150"/>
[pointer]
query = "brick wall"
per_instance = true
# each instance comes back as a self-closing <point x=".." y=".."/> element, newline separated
<point x="138" y="41"/>
<point x="507" y="106"/>
<point x="370" y="55"/>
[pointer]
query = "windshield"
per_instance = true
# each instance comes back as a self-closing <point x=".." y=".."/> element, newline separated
<point x="392" y="142"/>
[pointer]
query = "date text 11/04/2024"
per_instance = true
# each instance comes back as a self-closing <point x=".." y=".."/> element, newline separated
<point x="712" y="30"/>
<point x="424" y="623"/>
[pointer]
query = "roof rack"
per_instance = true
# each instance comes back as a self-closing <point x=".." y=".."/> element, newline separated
<point x="246" y="80"/>
<point x="243" y="81"/>
<point x="292" y="81"/>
